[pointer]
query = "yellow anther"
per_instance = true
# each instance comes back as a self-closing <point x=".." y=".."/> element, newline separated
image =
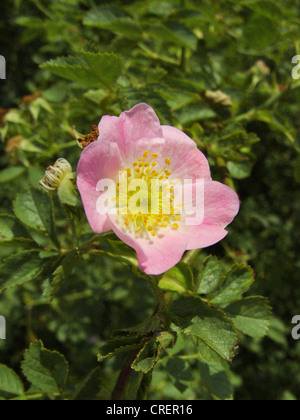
<point x="153" y="233"/>
<point x="175" y="226"/>
<point x="149" y="228"/>
<point x="147" y="164"/>
<point x="164" y="225"/>
<point x="177" y="217"/>
<point x="141" y="159"/>
<point x="168" y="173"/>
<point x="168" y="162"/>
<point x="147" y="170"/>
<point x="154" y="155"/>
<point x="137" y="170"/>
<point x="141" y="164"/>
<point x="146" y="154"/>
<point x="138" y="229"/>
<point x="154" y="163"/>
<point x="135" y="164"/>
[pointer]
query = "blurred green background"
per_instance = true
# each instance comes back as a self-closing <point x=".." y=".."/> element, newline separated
<point x="220" y="71"/>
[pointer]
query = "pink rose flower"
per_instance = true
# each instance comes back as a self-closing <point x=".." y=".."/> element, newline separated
<point x="136" y="142"/>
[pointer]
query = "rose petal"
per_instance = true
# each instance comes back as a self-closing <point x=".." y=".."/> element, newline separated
<point x="134" y="131"/>
<point x="100" y="160"/>
<point x="187" y="162"/>
<point x="155" y="254"/>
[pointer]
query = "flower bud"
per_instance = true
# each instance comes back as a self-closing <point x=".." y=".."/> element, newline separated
<point x="55" y="174"/>
<point x="218" y="98"/>
<point x="60" y="178"/>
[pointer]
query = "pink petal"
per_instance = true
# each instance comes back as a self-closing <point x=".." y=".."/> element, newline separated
<point x="134" y="131"/>
<point x="100" y="160"/>
<point x="204" y="236"/>
<point x="221" y="204"/>
<point x="155" y="255"/>
<point x="186" y="160"/>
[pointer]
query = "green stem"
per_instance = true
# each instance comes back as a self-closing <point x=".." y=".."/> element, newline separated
<point x="55" y="235"/>
<point x="70" y="218"/>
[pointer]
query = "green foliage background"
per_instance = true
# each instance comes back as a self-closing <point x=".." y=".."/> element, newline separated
<point x="220" y="71"/>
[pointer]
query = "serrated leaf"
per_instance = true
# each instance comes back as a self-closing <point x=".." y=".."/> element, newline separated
<point x="175" y="33"/>
<point x="93" y="69"/>
<point x="107" y="67"/>
<point x="61" y="273"/>
<point x="90" y="387"/>
<point x="123" y="253"/>
<point x="208" y="324"/>
<point x="178" y="279"/>
<point x="216" y="381"/>
<point x="210" y="275"/>
<point x="10" y="383"/>
<point x="11" y="173"/>
<point x="34" y="208"/>
<point x="180" y="373"/>
<point x="46" y="370"/>
<point x="119" y="344"/>
<point x="147" y="357"/>
<point x="114" y="19"/>
<point x="21" y="268"/>
<point x="12" y="233"/>
<point x="251" y="315"/>
<point x="237" y="281"/>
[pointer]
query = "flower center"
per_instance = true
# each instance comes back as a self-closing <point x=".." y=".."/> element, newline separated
<point x="153" y="207"/>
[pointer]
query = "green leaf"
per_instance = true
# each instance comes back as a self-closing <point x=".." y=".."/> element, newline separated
<point x="12" y="233"/>
<point x="215" y="379"/>
<point x="89" y="389"/>
<point x="237" y="281"/>
<point x="239" y="170"/>
<point x="21" y="268"/>
<point x="251" y="315"/>
<point x="180" y="373"/>
<point x="175" y="33"/>
<point x="178" y="279"/>
<point x="34" y="208"/>
<point x="260" y="32"/>
<point x="114" y="19"/>
<point x="65" y="67"/>
<point x="107" y="67"/>
<point x="10" y="384"/>
<point x="123" y="253"/>
<point x="210" y="275"/>
<point x="93" y="69"/>
<point x="208" y="324"/>
<point x="46" y="370"/>
<point x="61" y="273"/>
<point x="10" y="174"/>
<point x="119" y="344"/>
<point x="147" y="357"/>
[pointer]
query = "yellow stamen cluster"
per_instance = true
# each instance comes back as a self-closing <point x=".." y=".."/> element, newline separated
<point x="145" y="222"/>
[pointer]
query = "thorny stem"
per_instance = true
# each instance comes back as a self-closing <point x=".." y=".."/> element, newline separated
<point x="124" y="376"/>
<point x="164" y="300"/>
